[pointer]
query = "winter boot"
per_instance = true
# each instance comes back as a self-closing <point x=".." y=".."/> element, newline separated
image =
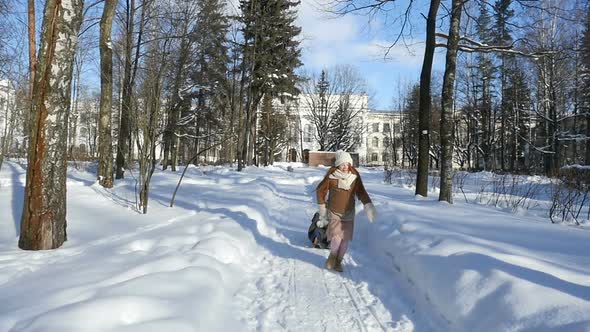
<point x="338" y="265"/>
<point x="331" y="261"/>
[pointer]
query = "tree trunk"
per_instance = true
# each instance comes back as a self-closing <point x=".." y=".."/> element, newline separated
<point x="105" y="149"/>
<point x="447" y="124"/>
<point x="587" y="157"/>
<point x="43" y="223"/>
<point x="504" y="111"/>
<point x="124" y="121"/>
<point x="425" y="101"/>
<point x="32" y="45"/>
<point x="170" y="137"/>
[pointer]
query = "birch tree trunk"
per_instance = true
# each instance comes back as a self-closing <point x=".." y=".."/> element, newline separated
<point x="447" y="123"/>
<point x="43" y="223"/>
<point x="105" y="144"/>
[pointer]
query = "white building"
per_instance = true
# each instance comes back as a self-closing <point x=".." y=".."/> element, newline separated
<point x="375" y="134"/>
<point x="383" y="128"/>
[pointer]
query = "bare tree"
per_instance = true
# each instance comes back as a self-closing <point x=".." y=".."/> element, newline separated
<point x="148" y="125"/>
<point x="43" y="223"/>
<point x="131" y="63"/>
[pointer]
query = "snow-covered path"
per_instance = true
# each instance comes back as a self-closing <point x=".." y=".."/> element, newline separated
<point x="117" y="259"/>
<point x="233" y="255"/>
<point x="288" y="288"/>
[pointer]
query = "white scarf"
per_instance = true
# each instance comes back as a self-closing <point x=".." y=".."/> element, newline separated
<point x="345" y="180"/>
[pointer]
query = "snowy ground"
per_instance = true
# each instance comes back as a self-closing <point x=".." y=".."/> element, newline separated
<point x="233" y="255"/>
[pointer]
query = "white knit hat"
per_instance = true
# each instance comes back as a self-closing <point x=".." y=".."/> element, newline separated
<point x="342" y="157"/>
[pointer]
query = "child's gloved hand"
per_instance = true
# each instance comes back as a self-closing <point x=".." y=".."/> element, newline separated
<point x="323" y="221"/>
<point x="371" y="211"/>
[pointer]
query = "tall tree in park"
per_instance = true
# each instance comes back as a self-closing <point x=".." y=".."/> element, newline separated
<point x="501" y="36"/>
<point x="484" y="126"/>
<point x="43" y="223"/>
<point x="585" y="73"/>
<point x="105" y="149"/>
<point x="179" y="93"/>
<point x="409" y="123"/>
<point x="209" y="73"/>
<point x="271" y="55"/>
<point x="130" y="65"/>
<point x="425" y="102"/>
<point x="519" y="107"/>
<point x="554" y="77"/>
<point x="447" y="119"/>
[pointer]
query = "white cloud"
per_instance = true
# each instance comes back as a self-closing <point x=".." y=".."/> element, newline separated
<point x="355" y="40"/>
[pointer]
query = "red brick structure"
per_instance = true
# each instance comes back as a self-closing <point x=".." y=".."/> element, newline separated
<point x="327" y="158"/>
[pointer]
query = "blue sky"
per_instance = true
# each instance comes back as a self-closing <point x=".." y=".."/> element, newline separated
<point x="358" y="41"/>
<point x="353" y="40"/>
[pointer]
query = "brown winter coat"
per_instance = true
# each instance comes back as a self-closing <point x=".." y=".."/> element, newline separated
<point x="341" y="201"/>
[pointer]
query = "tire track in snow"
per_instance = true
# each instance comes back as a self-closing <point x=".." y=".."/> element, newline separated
<point x="363" y="303"/>
<point x="343" y="300"/>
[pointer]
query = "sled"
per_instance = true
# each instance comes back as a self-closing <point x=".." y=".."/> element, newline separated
<point x="317" y="235"/>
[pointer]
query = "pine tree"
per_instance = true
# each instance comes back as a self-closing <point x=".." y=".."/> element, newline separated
<point x="271" y="55"/>
<point x="209" y="74"/>
<point x="344" y="132"/>
<point x="320" y="111"/>
<point x="409" y="123"/>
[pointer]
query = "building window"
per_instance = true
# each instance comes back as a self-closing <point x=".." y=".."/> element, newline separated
<point x="307" y="133"/>
<point x="385" y="157"/>
<point x="386" y="128"/>
<point x="374" y="156"/>
<point x="375" y="142"/>
<point x="376" y="127"/>
<point x="386" y="141"/>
